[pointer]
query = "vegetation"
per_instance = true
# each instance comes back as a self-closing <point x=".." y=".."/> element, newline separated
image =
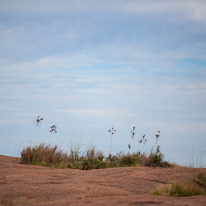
<point x="21" y="200"/>
<point x="195" y="186"/>
<point x="178" y="189"/>
<point x="45" y="155"/>
<point x="199" y="178"/>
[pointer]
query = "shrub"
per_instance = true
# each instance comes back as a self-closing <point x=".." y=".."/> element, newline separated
<point x="130" y="160"/>
<point x="156" y="158"/>
<point x="200" y="179"/>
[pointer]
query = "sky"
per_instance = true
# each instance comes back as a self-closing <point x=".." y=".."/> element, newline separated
<point x="87" y="65"/>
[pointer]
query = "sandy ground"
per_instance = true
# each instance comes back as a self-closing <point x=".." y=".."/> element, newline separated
<point x="37" y="185"/>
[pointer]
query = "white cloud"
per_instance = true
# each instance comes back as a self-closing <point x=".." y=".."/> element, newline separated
<point x="49" y="63"/>
<point x="177" y="10"/>
<point x="93" y="112"/>
<point x="180" y="9"/>
<point x="12" y="109"/>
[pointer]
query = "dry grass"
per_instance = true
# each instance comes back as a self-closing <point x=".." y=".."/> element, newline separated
<point x="44" y="155"/>
<point x="178" y="189"/>
<point x="191" y="187"/>
<point x="20" y="200"/>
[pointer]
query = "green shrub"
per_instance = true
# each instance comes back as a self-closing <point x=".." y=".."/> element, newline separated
<point x="156" y="158"/>
<point x="129" y="160"/>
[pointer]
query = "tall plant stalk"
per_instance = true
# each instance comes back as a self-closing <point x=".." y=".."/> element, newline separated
<point x="37" y="122"/>
<point x="133" y="138"/>
<point x="52" y="129"/>
<point x="157" y="136"/>
<point x="112" y="131"/>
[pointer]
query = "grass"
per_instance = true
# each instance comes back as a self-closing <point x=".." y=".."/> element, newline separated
<point x="191" y="187"/>
<point x="178" y="189"/>
<point x="20" y="200"/>
<point x="44" y="155"/>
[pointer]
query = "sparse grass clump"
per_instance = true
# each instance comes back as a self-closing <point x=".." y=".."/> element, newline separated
<point x="21" y="200"/>
<point x="43" y="155"/>
<point x="178" y="189"/>
<point x="191" y="187"/>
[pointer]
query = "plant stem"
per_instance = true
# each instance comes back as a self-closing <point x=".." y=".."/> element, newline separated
<point x="111" y="145"/>
<point x="50" y="139"/>
<point x="37" y="136"/>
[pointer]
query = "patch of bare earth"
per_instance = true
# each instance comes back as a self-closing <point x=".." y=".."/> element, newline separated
<point x="35" y="185"/>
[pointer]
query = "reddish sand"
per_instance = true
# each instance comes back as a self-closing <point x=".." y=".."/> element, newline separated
<point x="116" y="186"/>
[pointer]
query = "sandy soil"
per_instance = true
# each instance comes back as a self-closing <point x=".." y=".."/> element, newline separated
<point x="37" y="185"/>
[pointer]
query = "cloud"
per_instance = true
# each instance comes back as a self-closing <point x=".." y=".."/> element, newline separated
<point x="178" y="11"/>
<point x="101" y="114"/>
<point x="12" y="109"/>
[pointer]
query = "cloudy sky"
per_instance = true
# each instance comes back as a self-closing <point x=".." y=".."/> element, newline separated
<point x="85" y="65"/>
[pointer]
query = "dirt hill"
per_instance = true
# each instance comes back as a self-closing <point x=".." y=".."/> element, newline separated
<point x="37" y="185"/>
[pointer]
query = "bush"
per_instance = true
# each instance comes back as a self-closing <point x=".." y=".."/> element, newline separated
<point x="156" y="158"/>
<point x="200" y="179"/>
<point x="130" y="160"/>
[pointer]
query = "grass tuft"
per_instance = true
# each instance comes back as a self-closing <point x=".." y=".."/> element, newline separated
<point x="194" y="186"/>
<point x="43" y="155"/>
<point x="20" y="200"/>
<point x="178" y="189"/>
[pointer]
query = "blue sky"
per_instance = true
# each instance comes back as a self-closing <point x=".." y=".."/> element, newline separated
<point x="85" y="65"/>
